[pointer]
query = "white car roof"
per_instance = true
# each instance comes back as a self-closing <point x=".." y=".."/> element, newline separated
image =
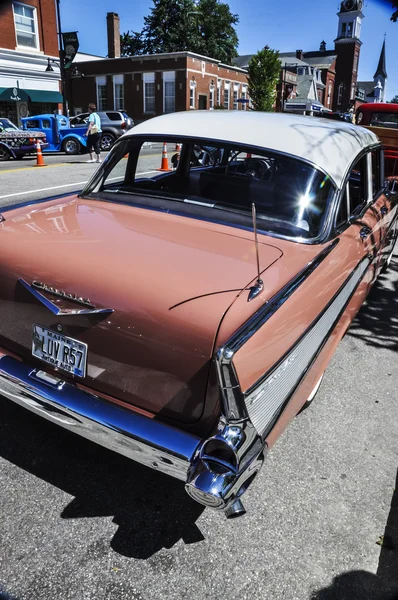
<point x="329" y="144"/>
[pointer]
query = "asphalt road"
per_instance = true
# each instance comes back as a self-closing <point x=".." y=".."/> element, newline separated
<point x="21" y="180"/>
<point x="79" y="522"/>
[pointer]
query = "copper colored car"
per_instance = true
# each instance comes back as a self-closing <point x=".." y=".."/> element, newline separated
<point x="183" y="317"/>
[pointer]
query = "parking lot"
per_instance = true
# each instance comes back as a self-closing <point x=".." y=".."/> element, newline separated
<point x="79" y="522"/>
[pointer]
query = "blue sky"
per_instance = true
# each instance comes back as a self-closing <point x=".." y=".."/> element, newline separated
<point x="283" y="25"/>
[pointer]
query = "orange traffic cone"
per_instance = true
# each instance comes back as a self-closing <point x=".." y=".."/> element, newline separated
<point x="40" y="162"/>
<point x="177" y="148"/>
<point x="164" y="165"/>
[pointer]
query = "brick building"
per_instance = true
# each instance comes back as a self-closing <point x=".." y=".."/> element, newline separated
<point x="149" y="85"/>
<point x="28" y="37"/>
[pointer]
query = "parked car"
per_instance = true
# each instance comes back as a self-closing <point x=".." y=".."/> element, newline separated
<point x="183" y="318"/>
<point x="382" y="119"/>
<point x="60" y="136"/>
<point x="113" y="124"/>
<point x="15" y="142"/>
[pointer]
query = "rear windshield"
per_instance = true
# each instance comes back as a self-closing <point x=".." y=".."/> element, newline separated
<point x="291" y="197"/>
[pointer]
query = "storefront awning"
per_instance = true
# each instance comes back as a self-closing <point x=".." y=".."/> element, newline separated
<point x="18" y="95"/>
<point x="13" y="95"/>
<point x="44" y="96"/>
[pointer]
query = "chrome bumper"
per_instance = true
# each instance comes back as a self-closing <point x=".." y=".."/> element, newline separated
<point x="144" y="440"/>
<point x="216" y="471"/>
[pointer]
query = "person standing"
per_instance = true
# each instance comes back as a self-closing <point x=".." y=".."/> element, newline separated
<point x="94" y="134"/>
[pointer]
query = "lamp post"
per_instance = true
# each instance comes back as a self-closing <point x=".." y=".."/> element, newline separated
<point x="60" y="63"/>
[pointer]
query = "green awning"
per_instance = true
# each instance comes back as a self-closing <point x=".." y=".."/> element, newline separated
<point x="18" y="95"/>
<point x="13" y="95"/>
<point x="44" y="96"/>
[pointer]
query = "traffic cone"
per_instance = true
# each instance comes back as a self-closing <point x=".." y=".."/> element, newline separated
<point x="40" y="162"/>
<point x="164" y="165"/>
<point x="177" y="148"/>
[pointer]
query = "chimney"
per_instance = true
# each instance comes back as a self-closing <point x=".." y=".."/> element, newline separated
<point x="322" y="47"/>
<point x="113" y="26"/>
<point x="299" y="54"/>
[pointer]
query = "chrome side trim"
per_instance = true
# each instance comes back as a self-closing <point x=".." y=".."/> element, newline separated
<point x="234" y="407"/>
<point x="267" y="398"/>
<point x="140" y="438"/>
<point x="61" y="312"/>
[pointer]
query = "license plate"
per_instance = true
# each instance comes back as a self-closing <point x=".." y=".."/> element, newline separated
<point x="59" y="351"/>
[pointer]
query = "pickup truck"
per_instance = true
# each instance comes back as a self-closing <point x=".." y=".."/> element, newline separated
<point x="15" y="143"/>
<point x="61" y="137"/>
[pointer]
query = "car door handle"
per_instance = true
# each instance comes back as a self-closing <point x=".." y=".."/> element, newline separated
<point x="365" y="232"/>
<point x="384" y="210"/>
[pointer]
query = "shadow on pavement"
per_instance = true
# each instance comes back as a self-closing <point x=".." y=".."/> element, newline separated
<point x="152" y="511"/>
<point x="377" y="321"/>
<point x="361" y="585"/>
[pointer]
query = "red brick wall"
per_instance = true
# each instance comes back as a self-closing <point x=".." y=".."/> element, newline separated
<point x="46" y="20"/>
<point x="82" y="90"/>
<point x="345" y="73"/>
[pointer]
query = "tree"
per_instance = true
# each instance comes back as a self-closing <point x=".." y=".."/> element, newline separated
<point x="264" y="73"/>
<point x="218" y="37"/>
<point x="394" y="100"/>
<point x="395" y="13"/>
<point x="131" y="44"/>
<point x="201" y="26"/>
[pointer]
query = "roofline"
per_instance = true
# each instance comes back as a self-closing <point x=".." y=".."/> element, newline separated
<point x="179" y="54"/>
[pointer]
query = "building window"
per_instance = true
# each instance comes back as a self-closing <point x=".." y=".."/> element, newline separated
<point x="169" y="93"/>
<point x="244" y="97"/>
<point x="192" y="94"/>
<point x="343" y="29"/>
<point x="25" y="25"/>
<point x="211" y="100"/>
<point x="149" y="92"/>
<point x="219" y="92"/>
<point x="235" y="99"/>
<point x="118" y="92"/>
<point x="329" y="94"/>
<point x="226" y="95"/>
<point x="350" y="28"/>
<point x="355" y="67"/>
<point x="340" y="95"/>
<point x="102" y="100"/>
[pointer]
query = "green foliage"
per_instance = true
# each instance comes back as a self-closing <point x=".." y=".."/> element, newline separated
<point x="264" y="73"/>
<point x="395" y="13"/>
<point x="203" y="26"/>
<point x="394" y="100"/>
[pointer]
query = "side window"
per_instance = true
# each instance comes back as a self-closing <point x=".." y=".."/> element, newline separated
<point x="377" y="172"/>
<point x="343" y="212"/>
<point x="358" y="186"/>
<point x="46" y="124"/>
<point x="113" y="116"/>
<point x="32" y="124"/>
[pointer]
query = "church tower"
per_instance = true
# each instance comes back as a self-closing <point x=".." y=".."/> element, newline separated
<point x="347" y="47"/>
<point x="380" y="77"/>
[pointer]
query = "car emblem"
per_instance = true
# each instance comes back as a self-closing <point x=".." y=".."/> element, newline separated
<point x="37" y="288"/>
<point x="61" y="294"/>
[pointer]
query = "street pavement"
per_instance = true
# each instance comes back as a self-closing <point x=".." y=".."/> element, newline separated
<point x="79" y="522"/>
<point x="20" y="180"/>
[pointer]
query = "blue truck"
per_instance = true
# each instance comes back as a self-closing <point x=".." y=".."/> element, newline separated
<point x="60" y="136"/>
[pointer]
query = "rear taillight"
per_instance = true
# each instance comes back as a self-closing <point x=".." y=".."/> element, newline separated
<point x="123" y="125"/>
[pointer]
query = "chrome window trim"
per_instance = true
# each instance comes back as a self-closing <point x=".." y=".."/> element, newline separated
<point x="321" y="238"/>
<point x="234" y="408"/>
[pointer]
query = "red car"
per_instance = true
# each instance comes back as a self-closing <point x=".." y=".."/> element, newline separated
<point x="183" y="317"/>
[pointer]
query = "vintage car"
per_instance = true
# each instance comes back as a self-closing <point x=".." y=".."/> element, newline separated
<point x="182" y="318"/>
<point x="382" y="119"/>
<point x="16" y="143"/>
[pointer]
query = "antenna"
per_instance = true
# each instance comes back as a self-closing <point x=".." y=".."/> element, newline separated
<point x="258" y="286"/>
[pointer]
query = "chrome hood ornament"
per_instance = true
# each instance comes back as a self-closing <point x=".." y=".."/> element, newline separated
<point x="37" y="287"/>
